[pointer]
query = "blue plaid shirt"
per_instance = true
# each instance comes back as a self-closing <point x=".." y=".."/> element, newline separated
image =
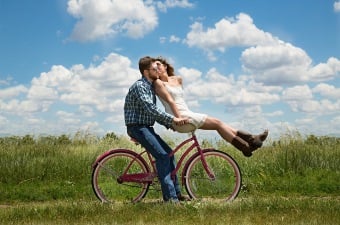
<point x="140" y="106"/>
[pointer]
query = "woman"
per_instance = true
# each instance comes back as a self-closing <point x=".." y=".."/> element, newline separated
<point x="169" y="90"/>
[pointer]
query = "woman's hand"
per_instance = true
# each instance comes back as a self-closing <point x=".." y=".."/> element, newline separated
<point x="180" y="121"/>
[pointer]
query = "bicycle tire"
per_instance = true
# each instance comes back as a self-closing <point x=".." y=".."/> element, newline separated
<point x="228" y="177"/>
<point x="109" y="167"/>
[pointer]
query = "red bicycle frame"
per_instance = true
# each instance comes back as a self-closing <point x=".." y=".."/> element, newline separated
<point x="149" y="176"/>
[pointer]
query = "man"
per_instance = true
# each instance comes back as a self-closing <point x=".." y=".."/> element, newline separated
<point x="141" y="113"/>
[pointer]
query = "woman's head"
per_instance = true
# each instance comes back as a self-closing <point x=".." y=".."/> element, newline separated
<point x="169" y="68"/>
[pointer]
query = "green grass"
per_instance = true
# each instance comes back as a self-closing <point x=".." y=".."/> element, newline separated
<point x="47" y="180"/>
<point x="264" y="210"/>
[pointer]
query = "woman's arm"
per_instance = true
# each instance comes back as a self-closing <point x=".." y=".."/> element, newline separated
<point x="163" y="93"/>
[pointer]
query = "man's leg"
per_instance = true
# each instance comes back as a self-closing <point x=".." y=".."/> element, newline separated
<point x="149" y="140"/>
<point x="172" y="159"/>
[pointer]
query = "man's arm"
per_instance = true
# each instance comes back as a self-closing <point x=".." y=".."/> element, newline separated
<point x="145" y="95"/>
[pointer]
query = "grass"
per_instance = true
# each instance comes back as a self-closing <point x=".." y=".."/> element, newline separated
<point x="46" y="180"/>
<point x="264" y="210"/>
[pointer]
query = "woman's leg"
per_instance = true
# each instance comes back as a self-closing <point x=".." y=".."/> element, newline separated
<point x="242" y="140"/>
<point x="226" y="132"/>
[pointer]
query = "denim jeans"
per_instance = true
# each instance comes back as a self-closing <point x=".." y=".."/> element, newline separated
<point x="154" y="144"/>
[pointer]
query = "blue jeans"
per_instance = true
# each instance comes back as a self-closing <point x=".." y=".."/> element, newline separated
<point x="160" y="150"/>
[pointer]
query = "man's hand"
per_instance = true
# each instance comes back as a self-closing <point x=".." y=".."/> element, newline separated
<point x="180" y="121"/>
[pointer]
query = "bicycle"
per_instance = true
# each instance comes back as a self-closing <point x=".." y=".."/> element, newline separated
<point x="125" y="175"/>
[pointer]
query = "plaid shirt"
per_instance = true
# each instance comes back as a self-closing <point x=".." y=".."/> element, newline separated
<point x="140" y="106"/>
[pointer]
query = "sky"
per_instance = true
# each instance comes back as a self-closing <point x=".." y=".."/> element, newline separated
<point x="66" y="65"/>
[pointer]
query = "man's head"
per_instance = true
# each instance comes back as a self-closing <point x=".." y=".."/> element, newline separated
<point x="148" y="68"/>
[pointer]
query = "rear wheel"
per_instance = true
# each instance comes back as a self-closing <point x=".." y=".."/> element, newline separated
<point x="226" y="183"/>
<point x="106" y="172"/>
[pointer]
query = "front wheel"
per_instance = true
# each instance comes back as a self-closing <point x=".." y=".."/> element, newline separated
<point x="107" y="170"/>
<point x="226" y="182"/>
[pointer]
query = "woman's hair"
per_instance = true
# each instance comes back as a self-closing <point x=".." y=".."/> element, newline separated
<point x="169" y="69"/>
<point x="144" y="63"/>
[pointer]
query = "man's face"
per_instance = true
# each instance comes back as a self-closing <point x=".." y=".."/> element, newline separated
<point x="153" y="72"/>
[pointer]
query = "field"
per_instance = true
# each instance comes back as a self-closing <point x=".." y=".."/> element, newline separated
<point x="46" y="180"/>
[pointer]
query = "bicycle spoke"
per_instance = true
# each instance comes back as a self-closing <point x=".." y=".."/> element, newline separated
<point x="106" y="172"/>
<point x="226" y="183"/>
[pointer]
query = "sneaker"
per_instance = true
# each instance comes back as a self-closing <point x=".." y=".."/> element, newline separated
<point x="183" y="198"/>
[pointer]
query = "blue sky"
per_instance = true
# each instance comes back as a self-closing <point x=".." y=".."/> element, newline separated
<point x="66" y="65"/>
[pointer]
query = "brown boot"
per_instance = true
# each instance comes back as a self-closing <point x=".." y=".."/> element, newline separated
<point x="254" y="141"/>
<point x="263" y="136"/>
<point x="241" y="145"/>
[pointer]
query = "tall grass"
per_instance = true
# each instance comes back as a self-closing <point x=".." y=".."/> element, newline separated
<point x="46" y="180"/>
<point x="59" y="167"/>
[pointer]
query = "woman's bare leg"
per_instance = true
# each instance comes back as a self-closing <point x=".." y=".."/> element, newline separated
<point x="242" y="140"/>
<point x="225" y="131"/>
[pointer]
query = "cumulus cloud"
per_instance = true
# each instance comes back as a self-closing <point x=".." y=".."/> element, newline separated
<point x="301" y="99"/>
<point x="275" y="64"/>
<point x="224" y="89"/>
<point x="100" y="86"/>
<point x="173" y="38"/>
<point x="336" y="6"/>
<point x="297" y="93"/>
<point x="163" y="6"/>
<point x="327" y="90"/>
<point x="267" y="58"/>
<point x="189" y="74"/>
<point x="12" y="92"/>
<point x="239" y="31"/>
<point x="105" y="18"/>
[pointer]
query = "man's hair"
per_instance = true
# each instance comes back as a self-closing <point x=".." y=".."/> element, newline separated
<point x="169" y="68"/>
<point x="144" y="63"/>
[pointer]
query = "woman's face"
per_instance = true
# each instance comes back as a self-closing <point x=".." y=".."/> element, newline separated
<point x="161" y="68"/>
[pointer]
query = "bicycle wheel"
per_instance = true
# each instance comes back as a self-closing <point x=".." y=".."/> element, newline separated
<point x="107" y="170"/>
<point x="226" y="183"/>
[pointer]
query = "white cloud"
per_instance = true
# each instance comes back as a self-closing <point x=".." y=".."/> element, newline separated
<point x="327" y="90"/>
<point x="322" y="107"/>
<point x="40" y="93"/>
<point x="297" y="93"/>
<point x="276" y="64"/>
<point x="228" y="33"/>
<point x="336" y="6"/>
<point x="324" y="71"/>
<point x="86" y="111"/>
<point x="225" y="89"/>
<point x="12" y="92"/>
<point x="266" y="57"/>
<point x="105" y="18"/>
<point x="17" y="107"/>
<point x="301" y="99"/>
<point x="100" y="86"/>
<point x="174" y="39"/>
<point x="163" y="6"/>
<point x="189" y="75"/>
<point x="275" y="113"/>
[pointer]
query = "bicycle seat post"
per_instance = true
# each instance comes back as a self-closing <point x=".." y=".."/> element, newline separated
<point x="194" y="138"/>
